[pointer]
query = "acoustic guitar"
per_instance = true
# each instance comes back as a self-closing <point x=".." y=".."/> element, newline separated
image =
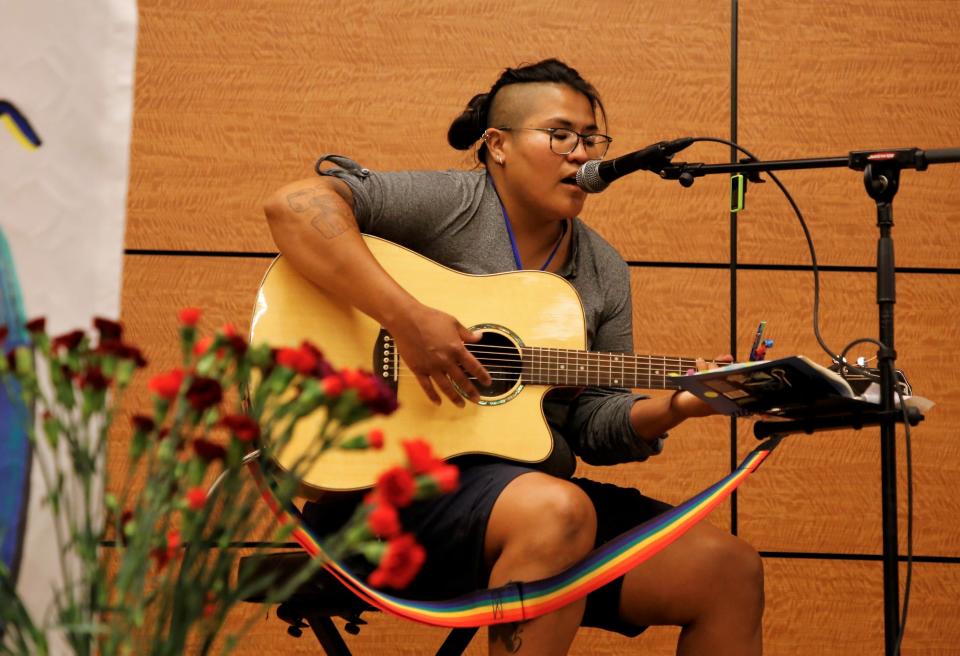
<point x="534" y="336"/>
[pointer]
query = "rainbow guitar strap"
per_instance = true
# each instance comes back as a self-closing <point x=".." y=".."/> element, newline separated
<point x="518" y="602"/>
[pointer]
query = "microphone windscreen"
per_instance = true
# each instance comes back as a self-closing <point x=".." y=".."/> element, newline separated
<point x="588" y="177"/>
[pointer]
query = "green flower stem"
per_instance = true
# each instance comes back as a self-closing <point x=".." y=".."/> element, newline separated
<point x="273" y="596"/>
<point x="47" y="477"/>
<point x="165" y="611"/>
<point x="188" y="335"/>
<point x="23" y="629"/>
<point x="114" y="620"/>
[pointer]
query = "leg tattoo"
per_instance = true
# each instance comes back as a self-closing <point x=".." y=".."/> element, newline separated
<point x="508" y="635"/>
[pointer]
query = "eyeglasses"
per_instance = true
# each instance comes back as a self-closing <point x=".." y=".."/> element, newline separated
<point x="564" y="141"/>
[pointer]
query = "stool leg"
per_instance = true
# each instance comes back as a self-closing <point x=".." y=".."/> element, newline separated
<point x="457" y="641"/>
<point x="328" y="635"/>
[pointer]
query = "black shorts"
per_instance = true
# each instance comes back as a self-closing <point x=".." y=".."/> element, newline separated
<point x="452" y="529"/>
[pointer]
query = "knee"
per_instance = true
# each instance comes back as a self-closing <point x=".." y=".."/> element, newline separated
<point x="570" y="516"/>
<point x="553" y="523"/>
<point x="740" y="569"/>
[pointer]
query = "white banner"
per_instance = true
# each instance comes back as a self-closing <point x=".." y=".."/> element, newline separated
<point x="66" y="102"/>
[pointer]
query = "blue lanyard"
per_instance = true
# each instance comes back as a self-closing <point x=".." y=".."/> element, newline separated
<point x="513" y="239"/>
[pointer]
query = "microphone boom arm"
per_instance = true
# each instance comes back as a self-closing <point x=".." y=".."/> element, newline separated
<point x="858" y="160"/>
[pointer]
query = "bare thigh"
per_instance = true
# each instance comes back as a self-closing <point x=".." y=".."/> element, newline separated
<point x="706" y="571"/>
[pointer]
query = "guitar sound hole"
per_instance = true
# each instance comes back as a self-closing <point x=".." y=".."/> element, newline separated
<point x="501" y="358"/>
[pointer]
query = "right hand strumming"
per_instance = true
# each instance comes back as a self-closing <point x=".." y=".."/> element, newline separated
<point x="433" y="345"/>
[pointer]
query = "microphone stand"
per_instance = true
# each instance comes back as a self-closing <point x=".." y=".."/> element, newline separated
<point x="881" y="177"/>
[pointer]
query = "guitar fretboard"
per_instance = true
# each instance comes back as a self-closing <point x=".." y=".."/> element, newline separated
<point x="550" y="366"/>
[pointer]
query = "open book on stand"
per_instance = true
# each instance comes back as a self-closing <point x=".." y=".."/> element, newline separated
<point x="790" y="387"/>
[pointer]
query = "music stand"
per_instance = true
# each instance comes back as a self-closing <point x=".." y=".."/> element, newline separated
<point x="882" y="181"/>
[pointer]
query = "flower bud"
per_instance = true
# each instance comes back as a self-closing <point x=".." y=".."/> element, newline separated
<point x="401" y="561"/>
<point x="189" y="316"/>
<point x="383" y="520"/>
<point x="196" y="498"/>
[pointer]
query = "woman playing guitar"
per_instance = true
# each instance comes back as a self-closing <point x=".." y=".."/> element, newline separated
<point x="508" y="522"/>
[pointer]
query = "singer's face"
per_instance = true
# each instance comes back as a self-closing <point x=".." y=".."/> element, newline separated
<point x="540" y="179"/>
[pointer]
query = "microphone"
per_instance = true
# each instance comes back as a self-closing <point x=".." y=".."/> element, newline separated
<point x="596" y="175"/>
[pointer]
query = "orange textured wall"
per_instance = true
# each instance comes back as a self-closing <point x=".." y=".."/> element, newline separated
<point x="234" y="98"/>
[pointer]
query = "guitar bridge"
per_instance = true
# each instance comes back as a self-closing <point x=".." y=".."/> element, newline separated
<point x="386" y="360"/>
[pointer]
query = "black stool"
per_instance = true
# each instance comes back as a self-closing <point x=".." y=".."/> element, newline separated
<point x="322" y="598"/>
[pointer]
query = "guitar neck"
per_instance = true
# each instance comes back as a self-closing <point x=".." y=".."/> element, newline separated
<point x="570" y="367"/>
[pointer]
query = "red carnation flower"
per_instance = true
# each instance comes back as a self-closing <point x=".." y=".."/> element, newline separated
<point x="209" y="451"/>
<point x="229" y="330"/>
<point x="196" y="498"/>
<point x="383" y="520"/>
<point x="352" y="378"/>
<point x="163" y="555"/>
<point x="237" y="344"/>
<point x="420" y="456"/>
<point x="109" y="330"/>
<point x="332" y="386"/>
<point x="142" y="423"/>
<point x="37" y="325"/>
<point x="210" y="604"/>
<point x="400" y="563"/>
<point x="367" y="390"/>
<point x="93" y="378"/>
<point x="371" y="390"/>
<point x="119" y="349"/>
<point x="300" y="360"/>
<point x="396" y="487"/>
<point x="242" y="427"/>
<point x="376" y="395"/>
<point x="375" y="439"/>
<point x="69" y="341"/>
<point x="189" y="316"/>
<point x="203" y="345"/>
<point x="447" y="477"/>
<point x="128" y="352"/>
<point x="322" y="368"/>
<point x="167" y="385"/>
<point x="204" y="393"/>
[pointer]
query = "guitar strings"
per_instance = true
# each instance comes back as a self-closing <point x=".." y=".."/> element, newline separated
<point x="665" y="383"/>
<point x="409" y="374"/>
<point x="509" y="365"/>
<point x="505" y="374"/>
<point x="513" y="365"/>
<point x="559" y="352"/>
<point x="491" y="348"/>
<point x="538" y="366"/>
<point x="506" y="364"/>
<point x="549" y="354"/>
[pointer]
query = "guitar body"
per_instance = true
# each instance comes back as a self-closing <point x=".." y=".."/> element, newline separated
<point x="530" y="307"/>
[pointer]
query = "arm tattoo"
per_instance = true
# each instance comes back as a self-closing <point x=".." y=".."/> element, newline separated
<point x="329" y="223"/>
<point x="508" y="635"/>
<point x="301" y="201"/>
<point x="327" y="220"/>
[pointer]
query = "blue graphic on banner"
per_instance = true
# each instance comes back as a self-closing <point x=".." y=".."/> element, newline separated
<point x="15" y="420"/>
<point x="18" y="125"/>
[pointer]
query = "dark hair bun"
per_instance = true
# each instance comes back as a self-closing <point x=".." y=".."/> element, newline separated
<point x="470" y="125"/>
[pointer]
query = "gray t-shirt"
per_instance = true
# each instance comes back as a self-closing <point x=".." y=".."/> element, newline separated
<point x="455" y="218"/>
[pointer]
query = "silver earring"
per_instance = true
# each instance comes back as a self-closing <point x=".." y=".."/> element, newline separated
<point x="499" y="160"/>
